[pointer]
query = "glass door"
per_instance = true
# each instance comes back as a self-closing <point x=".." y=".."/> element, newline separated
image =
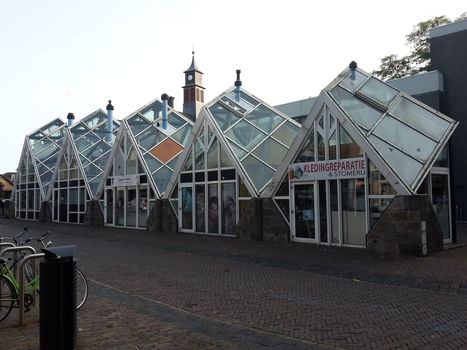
<point x="186" y="208"/>
<point x="303" y="213"/>
<point x="441" y="203"/>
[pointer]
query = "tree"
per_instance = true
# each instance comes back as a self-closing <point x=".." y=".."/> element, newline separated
<point x="393" y="66"/>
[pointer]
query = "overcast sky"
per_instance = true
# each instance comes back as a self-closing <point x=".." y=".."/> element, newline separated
<point x="60" y="56"/>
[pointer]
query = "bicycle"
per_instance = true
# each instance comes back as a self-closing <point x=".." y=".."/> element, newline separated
<point x="9" y="299"/>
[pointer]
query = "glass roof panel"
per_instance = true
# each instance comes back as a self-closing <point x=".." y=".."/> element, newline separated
<point x="420" y="118"/>
<point x="189" y="163"/>
<point x="102" y="161"/>
<point x="152" y="163"/>
<point x="50" y="128"/>
<point x="379" y="91"/>
<point x="149" y="138"/>
<point x="78" y="130"/>
<point x="35" y="137"/>
<point x="239" y="152"/>
<point x="94" y="119"/>
<point x="199" y="155"/>
<point x="93" y="184"/>
<point x="405" y="138"/>
<point x="173" y="162"/>
<point x="406" y="167"/>
<point x="223" y="117"/>
<point x="233" y="105"/>
<point x="152" y="112"/>
<point x="357" y="110"/>
<point x="271" y="152"/>
<point x="86" y="141"/>
<point x="212" y="156"/>
<point x="259" y="173"/>
<point x="246" y="101"/>
<point x="245" y="135"/>
<point x="137" y="124"/>
<point x="181" y="136"/>
<point x="225" y="159"/>
<point x="91" y="171"/>
<point x="286" y="133"/>
<point x="161" y="178"/>
<point x="352" y="84"/>
<point x="41" y="145"/>
<point x="265" y="119"/>
<point x="46" y="153"/>
<point x="175" y="120"/>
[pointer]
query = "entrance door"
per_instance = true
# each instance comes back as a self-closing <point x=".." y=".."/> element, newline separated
<point x="303" y="213"/>
<point x="440" y="198"/>
<point x="186" y="208"/>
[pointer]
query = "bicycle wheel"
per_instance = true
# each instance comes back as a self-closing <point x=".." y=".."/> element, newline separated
<point x="7" y="297"/>
<point x="81" y="289"/>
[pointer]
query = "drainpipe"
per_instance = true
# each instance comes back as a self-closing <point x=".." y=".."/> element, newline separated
<point x="110" y="124"/>
<point x="165" y="99"/>
<point x="70" y="117"/>
<point x="238" y="83"/>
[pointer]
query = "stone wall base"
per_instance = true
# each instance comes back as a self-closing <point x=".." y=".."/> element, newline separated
<point x="94" y="215"/>
<point x="162" y="217"/>
<point x="399" y="230"/>
<point x="45" y="213"/>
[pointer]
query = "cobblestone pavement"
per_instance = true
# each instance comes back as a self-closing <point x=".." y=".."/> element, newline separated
<point x="180" y="291"/>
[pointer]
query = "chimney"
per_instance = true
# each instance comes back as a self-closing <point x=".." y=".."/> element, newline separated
<point x="70" y="117"/>
<point x="171" y="101"/>
<point x="238" y="83"/>
<point x="165" y="99"/>
<point x="110" y="124"/>
<point x="353" y="67"/>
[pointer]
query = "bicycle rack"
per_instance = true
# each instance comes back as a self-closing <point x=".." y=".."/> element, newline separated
<point x="15" y="250"/>
<point x="21" y="284"/>
<point x="5" y="244"/>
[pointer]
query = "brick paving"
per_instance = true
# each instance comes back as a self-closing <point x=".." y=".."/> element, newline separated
<point x="181" y="291"/>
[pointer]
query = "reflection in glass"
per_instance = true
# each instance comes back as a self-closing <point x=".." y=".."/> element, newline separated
<point x="259" y="173"/>
<point x="286" y="133"/>
<point x="245" y="135"/>
<point x="379" y="91"/>
<point x="353" y="211"/>
<point x="304" y="211"/>
<point x="271" y="152"/>
<point x="440" y="200"/>
<point x="265" y="119"/>
<point x="187" y="208"/>
<point x="223" y="116"/>
<point x="229" y="213"/>
<point x="200" y="208"/>
<point x="352" y="84"/>
<point x="213" y="209"/>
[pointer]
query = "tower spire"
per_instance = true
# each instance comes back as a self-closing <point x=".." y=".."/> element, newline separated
<point x="193" y="91"/>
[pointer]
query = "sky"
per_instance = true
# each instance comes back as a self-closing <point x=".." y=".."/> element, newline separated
<point x="61" y="56"/>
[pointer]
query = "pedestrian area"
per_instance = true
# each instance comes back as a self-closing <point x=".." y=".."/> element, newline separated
<point x="178" y="291"/>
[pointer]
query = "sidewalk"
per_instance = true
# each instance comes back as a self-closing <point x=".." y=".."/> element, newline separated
<point x="187" y="291"/>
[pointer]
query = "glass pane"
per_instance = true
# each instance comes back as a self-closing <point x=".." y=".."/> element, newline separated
<point x="239" y="152"/>
<point x="271" y="152"/>
<point x="323" y="218"/>
<point x="353" y="211"/>
<point x="246" y="101"/>
<point x="379" y="91"/>
<point x="352" y="83"/>
<point x="137" y="124"/>
<point x="161" y="178"/>
<point x="181" y="136"/>
<point x="187" y="208"/>
<point x="307" y="154"/>
<point x="212" y="155"/>
<point x="200" y="208"/>
<point x="153" y="111"/>
<point x="348" y="147"/>
<point x="440" y="200"/>
<point x="259" y="173"/>
<point x="225" y="159"/>
<point x="334" y="211"/>
<point x="110" y="209"/>
<point x="283" y="190"/>
<point x="131" y="165"/>
<point x="131" y="208"/>
<point x="304" y="211"/>
<point x="189" y="163"/>
<point x="442" y="160"/>
<point x="286" y="133"/>
<point x="149" y="138"/>
<point x="199" y="156"/>
<point x="321" y="148"/>
<point x="265" y="119"/>
<point x="405" y="138"/>
<point x="153" y="163"/>
<point x="213" y="209"/>
<point x="405" y="167"/>
<point x="86" y="141"/>
<point x="419" y="118"/>
<point x="229" y="212"/>
<point x="243" y="191"/>
<point x="246" y="135"/>
<point x="357" y="110"/>
<point x="175" y="120"/>
<point x="120" y="208"/>
<point x="236" y="107"/>
<point x="173" y="162"/>
<point x="333" y="146"/>
<point x="378" y="183"/>
<point x="223" y="117"/>
<point x="73" y="199"/>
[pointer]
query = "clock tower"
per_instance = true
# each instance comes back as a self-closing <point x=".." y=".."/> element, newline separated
<point x="193" y="91"/>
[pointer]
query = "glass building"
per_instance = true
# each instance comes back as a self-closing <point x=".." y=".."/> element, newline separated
<point x="365" y="143"/>
<point x="85" y="153"/>
<point x="237" y="145"/>
<point x="143" y="159"/>
<point x="37" y="164"/>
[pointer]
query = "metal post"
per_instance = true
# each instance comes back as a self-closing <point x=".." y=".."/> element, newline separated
<point x="21" y="284"/>
<point x="15" y="250"/>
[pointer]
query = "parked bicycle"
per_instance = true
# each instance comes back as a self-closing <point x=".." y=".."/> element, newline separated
<point x="9" y="286"/>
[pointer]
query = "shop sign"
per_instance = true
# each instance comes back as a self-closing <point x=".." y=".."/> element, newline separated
<point x="128" y="180"/>
<point x="328" y="170"/>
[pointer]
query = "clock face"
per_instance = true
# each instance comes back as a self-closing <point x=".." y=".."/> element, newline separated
<point x="190" y="77"/>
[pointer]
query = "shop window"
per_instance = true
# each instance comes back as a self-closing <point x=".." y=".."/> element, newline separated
<point x="378" y="183"/>
<point x="353" y="211"/>
<point x="307" y="153"/>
